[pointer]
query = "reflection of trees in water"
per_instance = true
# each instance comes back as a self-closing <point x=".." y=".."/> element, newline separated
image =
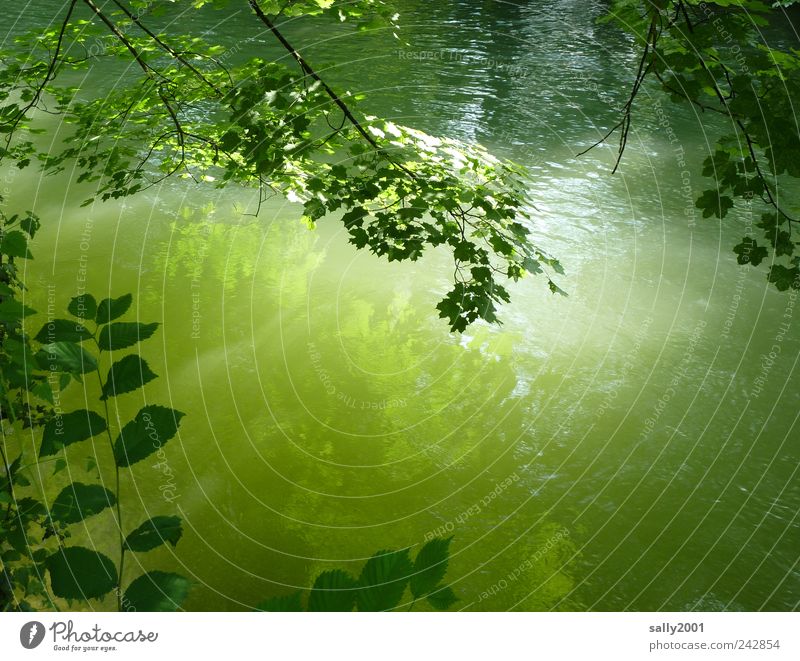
<point x="322" y="394"/>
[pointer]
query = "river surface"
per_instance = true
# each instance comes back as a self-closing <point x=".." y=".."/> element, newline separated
<point x="631" y="446"/>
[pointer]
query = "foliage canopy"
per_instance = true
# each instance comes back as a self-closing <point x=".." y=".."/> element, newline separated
<point x="196" y="110"/>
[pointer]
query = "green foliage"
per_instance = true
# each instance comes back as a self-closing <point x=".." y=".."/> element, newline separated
<point x="381" y="584"/>
<point x="333" y="590"/>
<point x="79" y="573"/>
<point x="156" y="591"/>
<point x="126" y="375"/>
<point x="122" y="335"/>
<point x="275" y="125"/>
<point x="155" y="532"/>
<point x="152" y="427"/>
<point x="70" y="428"/>
<point x="62" y="330"/>
<point x="112" y="308"/>
<point x="712" y="55"/>
<point x="83" y="307"/>
<point x="33" y="535"/>
<point x="79" y="501"/>
<point x="291" y="603"/>
<point x="430" y="567"/>
<point x="383" y="580"/>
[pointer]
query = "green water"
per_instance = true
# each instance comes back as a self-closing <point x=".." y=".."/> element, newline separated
<point x="627" y="447"/>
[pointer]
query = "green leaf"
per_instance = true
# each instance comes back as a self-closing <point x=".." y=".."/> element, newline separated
<point x="127" y="375"/>
<point x="155" y="532"/>
<point x="713" y="203"/>
<point x="289" y="603"/>
<point x="70" y="428"/>
<point x="333" y="591"/>
<point x="66" y="357"/>
<point x="11" y="310"/>
<point x="79" y="573"/>
<point x="442" y="599"/>
<point x="383" y="580"/>
<point x="156" y="591"/>
<point x="430" y="566"/>
<point x="15" y="244"/>
<point x="749" y="252"/>
<point x="111" y="308"/>
<point x="83" y="307"/>
<point x="62" y="330"/>
<point x="122" y="334"/>
<point x="78" y="501"/>
<point x="783" y="277"/>
<point x="152" y="427"/>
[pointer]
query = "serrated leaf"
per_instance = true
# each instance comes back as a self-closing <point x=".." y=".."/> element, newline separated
<point x="110" y="308"/>
<point x="66" y="357"/>
<point x="11" y="310"/>
<point x="713" y="203"/>
<point x="383" y="580"/>
<point x="78" y="501"/>
<point x="83" y="307"/>
<point x="152" y="427"/>
<point x="79" y="573"/>
<point x="15" y="244"/>
<point x="62" y="330"/>
<point x="430" y="566"/>
<point x="126" y="375"/>
<point x="289" y="603"/>
<point x="122" y="334"/>
<point x="442" y="599"/>
<point x="333" y="591"/>
<point x="70" y="428"/>
<point x="749" y="252"/>
<point x="155" y="532"/>
<point x="156" y="591"/>
<point x="783" y="277"/>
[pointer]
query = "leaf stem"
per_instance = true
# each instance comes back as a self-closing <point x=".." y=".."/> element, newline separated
<point x="116" y="488"/>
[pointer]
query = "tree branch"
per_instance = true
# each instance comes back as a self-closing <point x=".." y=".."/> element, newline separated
<point x="168" y="48"/>
<point x="48" y="75"/>
<point x="313" y="74"/>
<point x="149" y="72"/>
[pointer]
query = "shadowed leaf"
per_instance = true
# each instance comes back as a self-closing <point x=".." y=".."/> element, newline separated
<point x="78" y="501"/>
<point x="155" y="532"/>
<point x="333" y="591"/>
<point x="127" y="375"/>
<point x="156" y="591"/>
<point x="79" y="573"/>
<point x="70" y="428"/>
